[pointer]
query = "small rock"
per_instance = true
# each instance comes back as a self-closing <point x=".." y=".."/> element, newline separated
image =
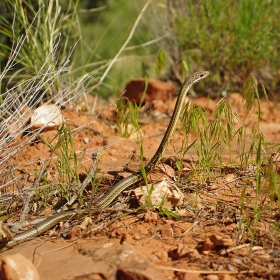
<point x="213" y="188"/>
<point x="208" y="245"/>
<point x="229" y="177"/>
<point x="259" y="252"/>
<point x="183" y="251"/>
<point x="262" y="228"/>
<point x="229" y="228"/>
<point x="218" y="240"/>
<point x="17" y="267"/>
<point x="47" y="117"/>
<point x="164" y="191"/>
<point x="228" y="221"/>
<point x="151" y="216"/>
<point x="166" y="232"/>
<point x="166" y="169"/>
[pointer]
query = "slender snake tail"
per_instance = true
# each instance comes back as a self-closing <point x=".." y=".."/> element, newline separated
<point x="110" y="196"/>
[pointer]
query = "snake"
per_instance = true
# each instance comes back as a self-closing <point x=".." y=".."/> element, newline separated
<point x="119" y="187"/>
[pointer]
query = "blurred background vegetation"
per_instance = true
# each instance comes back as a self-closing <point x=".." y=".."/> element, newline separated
<point x="173" y="39"/>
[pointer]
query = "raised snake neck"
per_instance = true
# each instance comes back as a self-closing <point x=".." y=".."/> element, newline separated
<point x="110" y="196"/>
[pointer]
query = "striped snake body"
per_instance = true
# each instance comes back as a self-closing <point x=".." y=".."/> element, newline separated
<point x="110" y="196"/>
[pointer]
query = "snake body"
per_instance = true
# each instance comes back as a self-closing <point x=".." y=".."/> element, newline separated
<point x="37" y="230"/>
<point x="109" y="197"/>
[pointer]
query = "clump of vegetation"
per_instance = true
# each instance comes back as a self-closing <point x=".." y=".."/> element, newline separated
<point x="230" y="38"/>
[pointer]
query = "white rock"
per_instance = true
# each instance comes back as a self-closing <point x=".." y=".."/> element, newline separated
<point x="47" y="116"/>
<point x="162" y="191"/>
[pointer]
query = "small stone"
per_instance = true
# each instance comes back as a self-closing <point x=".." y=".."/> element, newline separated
<point x="208" y="245"/>
<point x="183" y="251"/>
<point x="166" y="232"/>
<point x="229" y="228"/>
<point x="259" y="252"/>
<point x="151" y="216"/>
<point x="213" y="188"/>
<point x="47" y="117"/>
<point x="218" y="240"/>
<point x="229" y="177"/>
<point x="17" y="267"/>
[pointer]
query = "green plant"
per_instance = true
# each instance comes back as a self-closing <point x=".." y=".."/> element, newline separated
<point x="127" y="112"/>
<point x="230" y="38"/>
<point x="272" y="181"/>
<point x="67" y="164"/>
<point x="255" y="154"/>
<point x="210" y="136"/>
<point x="45" y="31"/>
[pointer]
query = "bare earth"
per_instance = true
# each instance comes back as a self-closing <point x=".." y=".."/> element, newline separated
<point x="209" y="241"/>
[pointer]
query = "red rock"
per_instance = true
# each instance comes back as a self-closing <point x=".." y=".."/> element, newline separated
<point x="230" y="228"/>
<point x="151" y="216"/>
<point x="166" y="232"/>
<point x="17" y="267"/>
<point x="183" y="251"/>
<point x="208" y="245"/>
<point x="219" y="240"/>
<point x="156" y="90"/>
